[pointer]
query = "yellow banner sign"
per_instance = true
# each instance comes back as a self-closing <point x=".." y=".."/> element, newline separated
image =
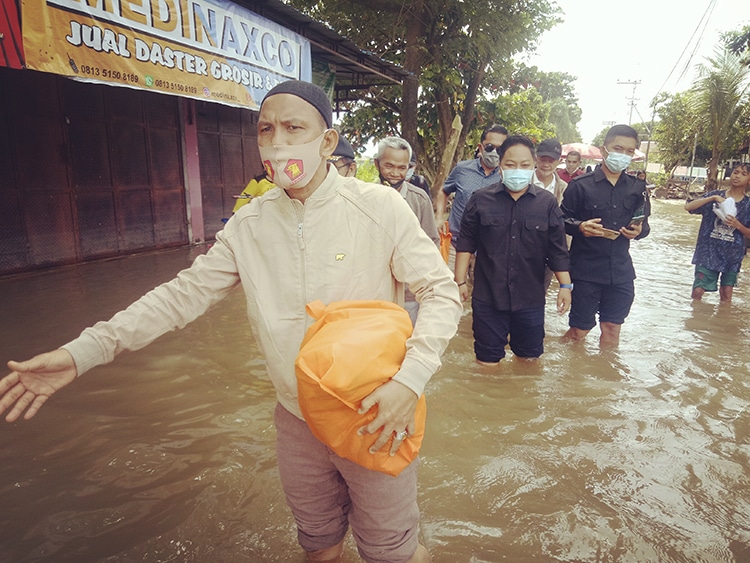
<point x="208" y="50"/>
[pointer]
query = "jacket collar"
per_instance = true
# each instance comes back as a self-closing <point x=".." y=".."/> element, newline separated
<point x="327" y="188"/>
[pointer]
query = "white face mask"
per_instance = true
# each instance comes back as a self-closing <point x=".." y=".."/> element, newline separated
<point x="517" y="179"/>
<point x="292" y="166"/>
<point x="617" y="162"/>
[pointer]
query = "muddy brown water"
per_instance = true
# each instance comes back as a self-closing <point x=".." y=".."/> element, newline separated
<point x="637" y="454"/>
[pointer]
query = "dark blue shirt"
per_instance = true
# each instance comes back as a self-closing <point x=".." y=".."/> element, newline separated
<point x="467" y="177"/>
<point x="720" y="247"/>
<point x="591" y="196"/>
<point x="514" y="241"/>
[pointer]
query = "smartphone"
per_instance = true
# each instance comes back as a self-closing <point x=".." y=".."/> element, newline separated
<point x="610" y="234"/>
<point x="636" y="220"/>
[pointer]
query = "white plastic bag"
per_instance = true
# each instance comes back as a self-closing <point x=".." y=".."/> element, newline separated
<point x="726" y="207"/>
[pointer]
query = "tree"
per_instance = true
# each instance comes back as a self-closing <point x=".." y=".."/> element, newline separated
<point x="457" y="52"/>
<point x="738" y="43"/>
<point x="673" y="133"/>
<point x="719" y="100"/>
<point x="556" y="89"/>
<point x="522" y="113"/>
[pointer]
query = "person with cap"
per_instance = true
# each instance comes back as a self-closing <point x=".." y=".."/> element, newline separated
<point x="324" y="237"/>
<point x="545" y="176"/>
<point x="392" y="162"/>
<point x="343" y="158"/>
<point x="467" y="177"/>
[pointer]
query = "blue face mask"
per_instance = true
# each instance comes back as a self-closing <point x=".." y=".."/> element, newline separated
<point x="617" y="162"/>
<point x="517" y="179"/>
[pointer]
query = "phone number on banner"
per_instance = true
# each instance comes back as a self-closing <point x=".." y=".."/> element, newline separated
<point x="132" y="78"/>
<point x="110" y="74"/>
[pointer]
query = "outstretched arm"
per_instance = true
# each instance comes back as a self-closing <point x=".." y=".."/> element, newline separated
<point x="31" y="383"/>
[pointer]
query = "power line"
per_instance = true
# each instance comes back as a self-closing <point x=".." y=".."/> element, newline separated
<point x="709" y="9"/>
<point x="698" y="43"/>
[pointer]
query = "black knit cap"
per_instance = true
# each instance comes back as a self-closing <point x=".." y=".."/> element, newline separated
<point x="344" y="148"/>
<point x="311" y="93"/>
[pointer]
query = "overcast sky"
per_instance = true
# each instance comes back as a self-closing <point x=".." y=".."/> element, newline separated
<point x="603" y="42"/>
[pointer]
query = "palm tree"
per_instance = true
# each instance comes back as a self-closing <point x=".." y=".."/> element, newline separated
<point x="720" y="101"/>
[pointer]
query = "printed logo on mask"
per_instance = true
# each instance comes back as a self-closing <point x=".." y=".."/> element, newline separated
<point x="295" y="169"/>
<point x="269" y="169"/>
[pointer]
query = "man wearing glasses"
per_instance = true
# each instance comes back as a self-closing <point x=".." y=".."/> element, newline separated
<point x="603" y="212"/>
<point x="466" y="178"/>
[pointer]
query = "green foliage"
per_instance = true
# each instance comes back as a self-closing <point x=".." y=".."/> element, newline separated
<point x="556" y="89"/>
<point x="738" y="43"/>
<point x="674" y="133"/>
<point x="459" y="51"/>
<point x="598" y="141"/>
<point x="522" y="113"/>
<point x="659" y="179"/>
<point x="367" y="172"/>
<point x="719" y="101"/>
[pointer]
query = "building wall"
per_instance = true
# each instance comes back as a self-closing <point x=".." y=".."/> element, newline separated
<point x="90" y="171"/>
<point x="229" y="158"/>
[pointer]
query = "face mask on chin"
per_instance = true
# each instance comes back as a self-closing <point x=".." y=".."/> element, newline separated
<point x="617" y="162"/>
<point x="385" y="182"/>
<point x="292" y="166"/>
<point x="517" y="179"/>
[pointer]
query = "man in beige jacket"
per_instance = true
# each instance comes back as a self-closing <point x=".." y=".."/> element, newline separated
<point x="315" y="236"/>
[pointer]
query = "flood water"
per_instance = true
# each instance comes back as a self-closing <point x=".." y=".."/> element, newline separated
<point x="639" y="454"/>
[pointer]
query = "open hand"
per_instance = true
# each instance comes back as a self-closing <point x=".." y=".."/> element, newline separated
<point x="32" y="382"/>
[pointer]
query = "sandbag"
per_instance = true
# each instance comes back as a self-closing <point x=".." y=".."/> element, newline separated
<point x="351" y="349"/>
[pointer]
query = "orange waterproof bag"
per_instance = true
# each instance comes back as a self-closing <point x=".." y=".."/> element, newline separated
<point x="353" y="348"/>
<point x="445" y="242"/>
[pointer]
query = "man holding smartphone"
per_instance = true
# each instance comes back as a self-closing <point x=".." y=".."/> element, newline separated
<point x="604" y="210"/>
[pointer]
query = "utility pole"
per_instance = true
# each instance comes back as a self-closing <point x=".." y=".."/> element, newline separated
<point x="632" y="98"/>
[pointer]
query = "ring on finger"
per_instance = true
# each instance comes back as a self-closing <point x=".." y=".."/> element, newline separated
<point x="400" y="435"/>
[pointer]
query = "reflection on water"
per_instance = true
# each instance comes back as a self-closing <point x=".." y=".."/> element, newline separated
<point x="638" y="454"/>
